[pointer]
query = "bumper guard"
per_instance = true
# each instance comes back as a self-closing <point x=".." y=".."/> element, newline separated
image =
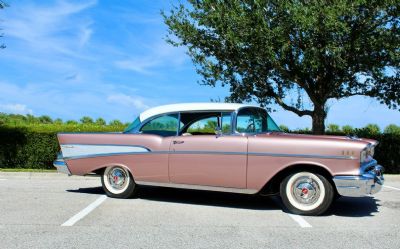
<point x="60" y="164"/>
<point x="369" y="182"/>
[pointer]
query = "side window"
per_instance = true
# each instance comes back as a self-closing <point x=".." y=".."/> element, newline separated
<point x="251" y="121"/>
<point x="204" y="126"/>
<point x="272" y="126"/>
<point x="226" y="122"/>
<point x="165" y="126"/>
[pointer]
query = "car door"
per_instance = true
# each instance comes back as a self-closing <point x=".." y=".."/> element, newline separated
<point x="155" y="135"/>
<point x="207" y="159"/>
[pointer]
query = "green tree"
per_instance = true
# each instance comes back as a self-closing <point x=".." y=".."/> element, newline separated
<point x="333" y="128"/>
<point x="392" y="129"/>
<point x="373" y="128"/>
<point x="348" y="129"/>
<point x="284" y="128"/>
<point x="44" y="119"/>
<point x="58" y="121"/>
<point x="71" y="122"/>
<point x="100" y="121"/>
<point x="2" y="6"/>
<point x="298" y="54"/>
<point x="86" y="120"/>
<point x="30" y="119"/>
<point x="115" y="122"/>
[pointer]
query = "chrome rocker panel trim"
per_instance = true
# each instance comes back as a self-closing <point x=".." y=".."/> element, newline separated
<point x="61" y="166"/>
<point x="198" y="187"/>
<point x="368" y="183"/>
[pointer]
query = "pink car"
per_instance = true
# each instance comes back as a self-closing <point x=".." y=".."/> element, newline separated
<point x="224" y="147"/>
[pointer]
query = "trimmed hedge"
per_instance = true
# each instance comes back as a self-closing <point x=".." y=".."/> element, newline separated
<point x="36" y="147"/>
<point x="24" y="148"/>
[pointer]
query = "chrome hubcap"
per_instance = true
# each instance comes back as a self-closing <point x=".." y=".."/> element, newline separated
<point x="117" y="178"/>
<point x="306" y="190"/>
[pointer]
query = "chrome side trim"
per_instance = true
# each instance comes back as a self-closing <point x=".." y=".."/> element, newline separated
<point x="78" y="150"/>
<point x="211" y="153"/>
<point x="206" y="152"/>
<point x="123" y="145"/>
<point x="259" y="154"/>
<point x="113" y="154"/>
<point x="301" y="155"/>
<point x="198" y="187"/>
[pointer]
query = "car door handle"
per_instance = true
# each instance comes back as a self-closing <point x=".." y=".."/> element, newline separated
<point x="178" y="142"/>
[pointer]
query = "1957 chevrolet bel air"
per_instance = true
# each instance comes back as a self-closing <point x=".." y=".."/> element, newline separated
<point x="224" y="147"/>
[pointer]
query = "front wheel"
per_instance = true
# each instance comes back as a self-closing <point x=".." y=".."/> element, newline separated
<point x="306" y="193"/>
<point x="118" y="182"/>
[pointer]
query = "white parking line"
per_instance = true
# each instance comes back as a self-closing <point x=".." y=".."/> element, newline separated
<point x="3" y="179"/>
<point x="300" y="220"/>
<point x="84" y="212"/>
<point x="385" y="186"/>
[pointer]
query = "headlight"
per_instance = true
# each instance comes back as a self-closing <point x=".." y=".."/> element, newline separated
<point x="371" y="151"/>
<point x="367" y="153"/>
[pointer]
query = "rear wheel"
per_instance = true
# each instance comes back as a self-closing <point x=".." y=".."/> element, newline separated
<point x="118" y="182"/>
<point x="306" y="193"/>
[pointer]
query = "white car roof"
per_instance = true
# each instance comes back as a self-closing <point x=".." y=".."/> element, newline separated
<point x="191" y="107"/>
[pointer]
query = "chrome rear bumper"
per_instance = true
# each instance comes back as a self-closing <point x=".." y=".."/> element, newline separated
<point x="61" y="166"/>
<point x="367" y="183"/>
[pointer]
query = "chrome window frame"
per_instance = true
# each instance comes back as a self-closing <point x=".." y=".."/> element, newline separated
<point x="234" y="114"/>
<point x="231" y="112"/>
<point x="247" y="133"/>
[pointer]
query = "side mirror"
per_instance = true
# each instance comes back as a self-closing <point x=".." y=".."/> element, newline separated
<point x="218" y="131"/>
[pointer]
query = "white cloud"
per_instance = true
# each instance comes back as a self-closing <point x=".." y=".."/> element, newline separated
<point x="15" y="109"/>
<point x="123" y="99"/>
<point x="72" y="101"/>
<point x="85" y="35"/>
<point x="50" y="29"/>
<point x="139" y="65"/>
<point x="159" y="55"/>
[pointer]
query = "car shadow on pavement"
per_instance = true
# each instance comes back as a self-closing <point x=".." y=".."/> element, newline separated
<point x="344" y="206"/>
<point x="207" y="198"/>
<point x="196" y="197"/>
<point x="354" y="207"/>
<point x="92" y="190"/>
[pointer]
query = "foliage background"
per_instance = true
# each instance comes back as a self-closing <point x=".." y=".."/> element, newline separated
<point x="31" y="142"/>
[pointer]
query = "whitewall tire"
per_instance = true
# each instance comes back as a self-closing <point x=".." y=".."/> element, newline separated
<point x="118" y="182"/>
<point x="306" y="193"/>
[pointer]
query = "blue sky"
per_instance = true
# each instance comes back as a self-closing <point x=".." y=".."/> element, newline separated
<point x="109" y="59"/>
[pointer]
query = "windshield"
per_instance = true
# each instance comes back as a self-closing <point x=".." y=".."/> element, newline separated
<point x="133" y="126"/>
<point x="254" y="120"/>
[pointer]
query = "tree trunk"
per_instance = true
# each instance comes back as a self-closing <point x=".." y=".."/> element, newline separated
<point x="318" y="120"/>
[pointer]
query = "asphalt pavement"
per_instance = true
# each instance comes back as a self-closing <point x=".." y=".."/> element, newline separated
<point x="50" y="210"/>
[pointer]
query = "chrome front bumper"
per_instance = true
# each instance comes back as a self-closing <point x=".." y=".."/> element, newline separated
<point x="369" y="182"/>
<point x="61" y="166"/>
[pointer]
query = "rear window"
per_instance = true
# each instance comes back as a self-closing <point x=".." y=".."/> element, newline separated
<point x="133" y="126"/>
<point x="166" y="125"/>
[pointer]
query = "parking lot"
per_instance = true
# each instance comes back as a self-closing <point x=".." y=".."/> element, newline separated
<point x="49" y="210"/>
